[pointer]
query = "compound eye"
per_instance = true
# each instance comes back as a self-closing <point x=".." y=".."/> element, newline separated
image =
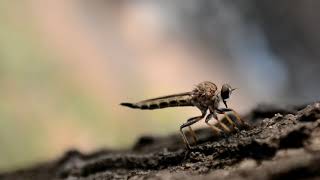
<point x="225" y="91"/>
<point x="225" y="94"/>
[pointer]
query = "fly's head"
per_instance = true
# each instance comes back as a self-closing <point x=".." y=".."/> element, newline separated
<point x="225" y="93"/>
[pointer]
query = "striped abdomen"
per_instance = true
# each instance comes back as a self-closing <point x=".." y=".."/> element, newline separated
<point x="182" y="99"/>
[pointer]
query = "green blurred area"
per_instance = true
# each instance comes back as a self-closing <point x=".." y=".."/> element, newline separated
<point x="43" y="112"/>
<point x="32" y="88"/>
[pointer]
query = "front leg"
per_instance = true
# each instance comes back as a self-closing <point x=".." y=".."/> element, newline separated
<point x="224" y="110"/>
<point x="214" y="128"/>
<point x="213" y="113"/>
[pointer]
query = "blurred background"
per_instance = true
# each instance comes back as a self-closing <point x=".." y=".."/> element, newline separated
<point x="66" y="65"/>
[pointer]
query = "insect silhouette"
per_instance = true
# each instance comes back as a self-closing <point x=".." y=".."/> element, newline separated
<point x="205" y="96"/>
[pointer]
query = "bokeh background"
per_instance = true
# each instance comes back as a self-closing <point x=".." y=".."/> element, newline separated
<point x="66" y="65"/>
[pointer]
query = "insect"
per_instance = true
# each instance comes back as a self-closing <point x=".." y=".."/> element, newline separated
<point x="206" y="97"/>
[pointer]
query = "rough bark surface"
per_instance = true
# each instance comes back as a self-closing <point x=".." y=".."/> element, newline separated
<point x="276" y="143"/>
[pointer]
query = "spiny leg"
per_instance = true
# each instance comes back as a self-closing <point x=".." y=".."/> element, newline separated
<point x="224" y="127"/>
<point x="214" y="129"/>
<point x="229" y="119"/>
<point x="189" y="123"/>
<point x="193" y="134"/>
<point x="224" y="110"/>
<point x="237" y="116"/>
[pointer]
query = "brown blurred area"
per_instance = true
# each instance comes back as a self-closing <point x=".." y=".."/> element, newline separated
<point x="66" y="65"/>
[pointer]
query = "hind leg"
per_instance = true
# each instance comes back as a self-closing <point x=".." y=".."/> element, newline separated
<point x="193" y="134"/>
<point x="188" y="124"/>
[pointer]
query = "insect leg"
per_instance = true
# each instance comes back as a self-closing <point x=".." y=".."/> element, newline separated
<point x="229" y="119"/>
<point x="193" y="134"/>
<point x="214" y="129"/>
<point x="224" y="110"/>
<point x="189" y="123"/>
<point x="224" y="127"/>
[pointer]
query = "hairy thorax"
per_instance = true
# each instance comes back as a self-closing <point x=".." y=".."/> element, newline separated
<point x="205" y="95"/>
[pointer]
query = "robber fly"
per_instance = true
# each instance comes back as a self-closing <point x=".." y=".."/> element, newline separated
<point x="205" y="96"/>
